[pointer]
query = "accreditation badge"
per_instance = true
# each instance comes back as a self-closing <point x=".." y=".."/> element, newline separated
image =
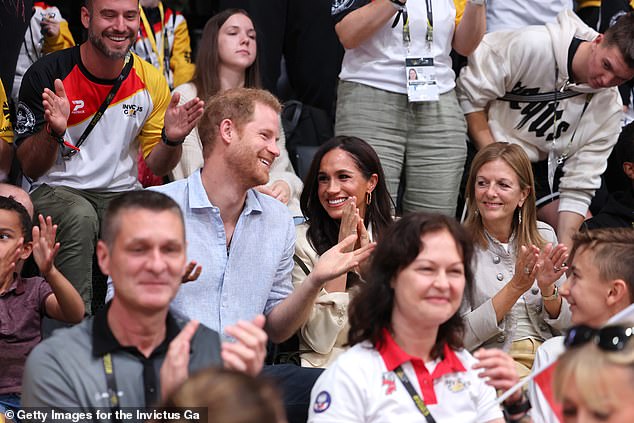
<point x="421" y="79"/>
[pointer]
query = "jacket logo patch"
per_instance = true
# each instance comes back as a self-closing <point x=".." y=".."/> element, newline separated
<point x="131" y="110"/>
<point x="389" y="381"/>
<point x="78" y="107"/>
<point x="339" y="6"/>
<point x="25" y="119"/>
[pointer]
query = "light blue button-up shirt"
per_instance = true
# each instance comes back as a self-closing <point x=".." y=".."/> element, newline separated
<point x="254" y="276"/>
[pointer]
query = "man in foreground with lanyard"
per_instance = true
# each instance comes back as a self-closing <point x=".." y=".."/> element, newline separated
<point x="552" y="90"/>
<point x="82" y="114"/>
<point x="135" y="352"/>
<point x="163" y="40"/>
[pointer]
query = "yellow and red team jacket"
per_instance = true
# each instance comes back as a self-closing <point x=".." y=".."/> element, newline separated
<point x="168" y="46"/>
<point x="134" y="118"/>
<point x="6" y="132"/>
<point x="36" y="45"/>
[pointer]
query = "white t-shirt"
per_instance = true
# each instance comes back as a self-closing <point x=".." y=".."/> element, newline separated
<point x="360" y="386"/>
<point x="380" y="61"/>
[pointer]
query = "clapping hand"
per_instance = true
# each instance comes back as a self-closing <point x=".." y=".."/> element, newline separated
<point x="552" y="265"/>
<point x="44" y="246"/>
<point x="180" y="120"/>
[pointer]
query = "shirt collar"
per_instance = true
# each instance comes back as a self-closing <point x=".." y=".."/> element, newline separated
<point x="104" y="341"/>
<point x="198" y="198"/>
<point x="17" y="285"/>
<point x="393" y="356"/>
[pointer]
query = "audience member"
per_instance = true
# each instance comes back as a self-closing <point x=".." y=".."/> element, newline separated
<point x="6" y="137"/>
<point x="515" y="14"/>
<point x="345" y="194"/>
<point x="75" y="174"/>
<point x="407" y="356"/>
<point x="516" y="304"/>
<point x="135" y="351"/>
<point x="296" y="37"/>
<point x="243" y="239"/>
<point x="619" y="210"/>
<point x="15" y="21"/>
<point x="593" y="379"/>
<point x="417" y="130"/>
<point x="23" y="301"/>
<point x="228" y="397"/>
<point x="599" y="289"/>
<point x="47" y="32"/>
<point x="163" y="41"/>
<point x="536" y="87"/>
<point x="229" y="60"/>
<point x="19" y="195"/>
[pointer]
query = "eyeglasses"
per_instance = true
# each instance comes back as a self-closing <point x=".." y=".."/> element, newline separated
<point x="608" y="338"/>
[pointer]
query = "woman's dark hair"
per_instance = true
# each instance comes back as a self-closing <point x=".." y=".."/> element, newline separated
<point x="205" y="76"/>
<point x="371" y="309"/>
<point x="323" y="231"/>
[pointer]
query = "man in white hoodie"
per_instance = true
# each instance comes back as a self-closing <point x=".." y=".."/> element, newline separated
<point x="552" y="90"/>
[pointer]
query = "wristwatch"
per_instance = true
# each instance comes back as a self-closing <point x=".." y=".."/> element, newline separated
<point x="552" y="297"/>
<point x="478" y="2"/>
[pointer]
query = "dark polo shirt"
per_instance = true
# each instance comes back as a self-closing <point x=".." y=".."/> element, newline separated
<point x="21" y="311"/>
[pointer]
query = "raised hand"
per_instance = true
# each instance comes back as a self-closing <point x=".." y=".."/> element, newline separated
<point x="498" y="370"/>
<point x="180" y="120"/>
<point x="44" y="246"/>
<point x="552" y="265"/>
<point x="248" y="351"/>
<point x="9" y="261"/>
<point x="56" y="107"/>
<point x="349" y="220"/>
<point x="340" y="259"/>
<point x="526" y="268"/>
<point x="174" y="370"/>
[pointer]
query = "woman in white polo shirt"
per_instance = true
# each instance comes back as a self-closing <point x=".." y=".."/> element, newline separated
<point x="406" y="336"/>
<point x="415" y="125"/>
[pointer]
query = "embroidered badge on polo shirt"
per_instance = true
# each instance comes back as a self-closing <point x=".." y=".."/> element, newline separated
<point x="389" y="381"/>
<point x="456" y="384"/>
<point x="322" y="402"/>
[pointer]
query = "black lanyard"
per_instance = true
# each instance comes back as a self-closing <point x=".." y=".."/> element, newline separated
<point x="113" y="396"/>
<point x="420" y="404"/>
<point x="68" y="154"/>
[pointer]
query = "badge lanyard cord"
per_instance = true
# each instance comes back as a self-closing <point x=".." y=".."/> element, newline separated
<point x="152" y="37"/>
<point x="554" y="162"/>
<point x="418" y="401"/>
<point x="113" y="396"/>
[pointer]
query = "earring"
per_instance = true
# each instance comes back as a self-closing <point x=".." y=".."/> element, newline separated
<point x="368" y="197"/>
<point x="519" y="216"/>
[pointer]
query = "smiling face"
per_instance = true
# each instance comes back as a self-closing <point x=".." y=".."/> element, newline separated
<point x="606" y="67"/>
<point x="340" y="178"/>
<point x="498" y="194"/>
<point x="146" y="258"/>
<point x="112" y="26"/>
<point x="237" y="46"/>
<point x="586" y="292"/>
<point x="429" y="290"/>
<point x="254" y="147"/>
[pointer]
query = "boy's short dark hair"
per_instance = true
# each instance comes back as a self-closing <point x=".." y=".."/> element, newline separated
<point x="10" y="204"/>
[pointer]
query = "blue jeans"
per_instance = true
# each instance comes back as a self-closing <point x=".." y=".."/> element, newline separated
<point x="10" y="402"/>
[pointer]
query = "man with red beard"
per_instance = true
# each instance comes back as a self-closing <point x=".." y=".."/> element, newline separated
<point x="82" y="115"/>
<point x="244" y="239"/>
